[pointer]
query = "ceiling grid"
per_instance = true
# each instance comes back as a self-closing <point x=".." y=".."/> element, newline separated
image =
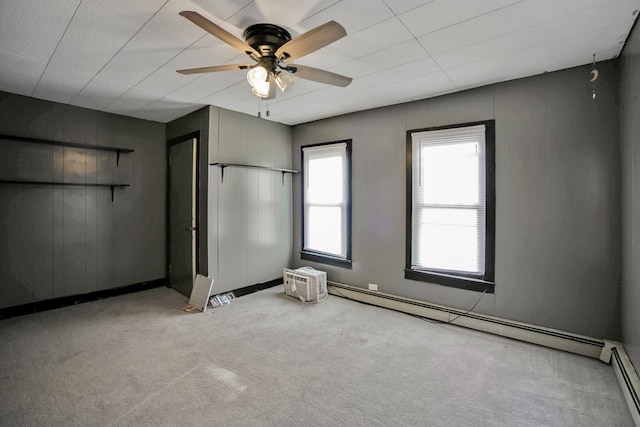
<point x="121" y="56"/>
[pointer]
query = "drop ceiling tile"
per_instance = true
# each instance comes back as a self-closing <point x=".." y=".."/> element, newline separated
<point x="131" y="101"/>
<point x="353" y="15"/>
<point x="167" y="109"/>
<point x="206" y="85"/>
<point x="99" y="93"/>
<point x="60" y="84"/>
<point x="325" y="58"/>
<point x="284" y="13"/>
<point x="569" y="52"/>
<point x="141" y="11"/>
<point x="19" y="75"/>
<point x="359" y="67"/>
<point x="401" y="6"/>
<point x="310" y="94"/>
<point x="394" y="74"/>
<point x="251" y="105"/>
<point x="204" y="53"/>
<point x="577" y="24"/>
<point x="401" y="53"/>
<point x="337" y="95"/>
<point x="373" y="39"/>
<point x="404" y="52"/>
<point x="477" y="42"/>
<point x="305" y="114"/>
<point x="147" y="51"/>
<point x="300" y="88"/>
<point x="35" y="42"/>
<point x="166" y="79"/>
<point x="287" y="101"/>
<point x="515" y="17"/>
<point x="94" y="36"/>
<point x="394" y="92"/>
<point x="230" y="94"/>
<point x="425" y="86"/>
<point x="222" y="9"/>
<point x="168" y="18"/>
<point x="439" y="14"/>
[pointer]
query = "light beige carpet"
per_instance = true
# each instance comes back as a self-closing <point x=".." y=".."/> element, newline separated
<point x="267" y="360"/>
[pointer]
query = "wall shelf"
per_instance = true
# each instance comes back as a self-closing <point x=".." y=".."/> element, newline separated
<point x="222" y="166"/>
<point x="58" y="183"/>
<point x="117" y="150"/>
<point x="110" y="185"/>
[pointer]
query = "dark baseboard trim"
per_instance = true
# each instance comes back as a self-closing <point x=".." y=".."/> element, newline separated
<point x="34" y="307"/>
<point x="257" y="287"/>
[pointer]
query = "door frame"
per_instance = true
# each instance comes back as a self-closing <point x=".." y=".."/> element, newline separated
<point x="184" y="138"/>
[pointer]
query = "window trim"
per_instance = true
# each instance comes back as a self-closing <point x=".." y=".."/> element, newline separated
<point x="486" y="283"/>
<point x="323" y="257"/>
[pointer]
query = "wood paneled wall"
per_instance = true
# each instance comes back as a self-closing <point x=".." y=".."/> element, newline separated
<point x="58" y="241"/>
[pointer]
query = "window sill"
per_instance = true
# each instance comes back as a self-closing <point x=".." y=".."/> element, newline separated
<point x="460" y="282"/>
<point x="325" y="259"/>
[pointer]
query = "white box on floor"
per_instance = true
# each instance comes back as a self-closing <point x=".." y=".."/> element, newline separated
<point x="305" y="283"/>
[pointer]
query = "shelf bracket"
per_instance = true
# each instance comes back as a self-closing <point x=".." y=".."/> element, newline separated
<point x="117" y="159"/>
<point x="222" y="173"/>
<point x="112" y="187"/>
<point x="224" y="165"/>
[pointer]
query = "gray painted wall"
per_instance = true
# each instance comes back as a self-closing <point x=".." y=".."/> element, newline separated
<point x="248" y="216"/>
<point x="558" y="203"/>
<point x="62" y="241"/>
<point x="630" y="140"/>
<point x="254" y="212"/>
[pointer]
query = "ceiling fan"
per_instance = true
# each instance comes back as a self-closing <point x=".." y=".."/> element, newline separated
<point x="272" y="48"/>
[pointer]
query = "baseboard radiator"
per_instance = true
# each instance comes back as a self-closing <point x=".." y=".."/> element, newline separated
<point x="629" y="381"/>
<point x="607" y="351"/>
<point x="604" y="350"/>
<point x="547" y="337"/>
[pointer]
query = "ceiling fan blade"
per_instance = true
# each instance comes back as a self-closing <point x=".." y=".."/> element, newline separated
<point x="311" y="41"/>
<point x="320" y="76"/>
<point x="218" y="31"/>
<point x="215" y="68"/>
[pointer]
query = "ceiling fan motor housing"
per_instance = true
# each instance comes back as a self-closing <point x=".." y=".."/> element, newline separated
<point x="266" y="38"/>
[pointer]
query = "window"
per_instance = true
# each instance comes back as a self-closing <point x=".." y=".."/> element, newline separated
<point x="326" y="195"/>
<point x="451" y="205"/>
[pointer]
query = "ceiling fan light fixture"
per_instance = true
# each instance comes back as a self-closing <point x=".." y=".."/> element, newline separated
<point x="284" y="81"/>
<point x="258" y="76"/>
<point x="262" y="89"/>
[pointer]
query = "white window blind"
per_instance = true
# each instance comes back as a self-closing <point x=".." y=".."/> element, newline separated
<point x="325" y="199"/>
<point x="448" y="200"/>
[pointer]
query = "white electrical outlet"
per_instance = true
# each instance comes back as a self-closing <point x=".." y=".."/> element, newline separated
<point x="373" y="287"/>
